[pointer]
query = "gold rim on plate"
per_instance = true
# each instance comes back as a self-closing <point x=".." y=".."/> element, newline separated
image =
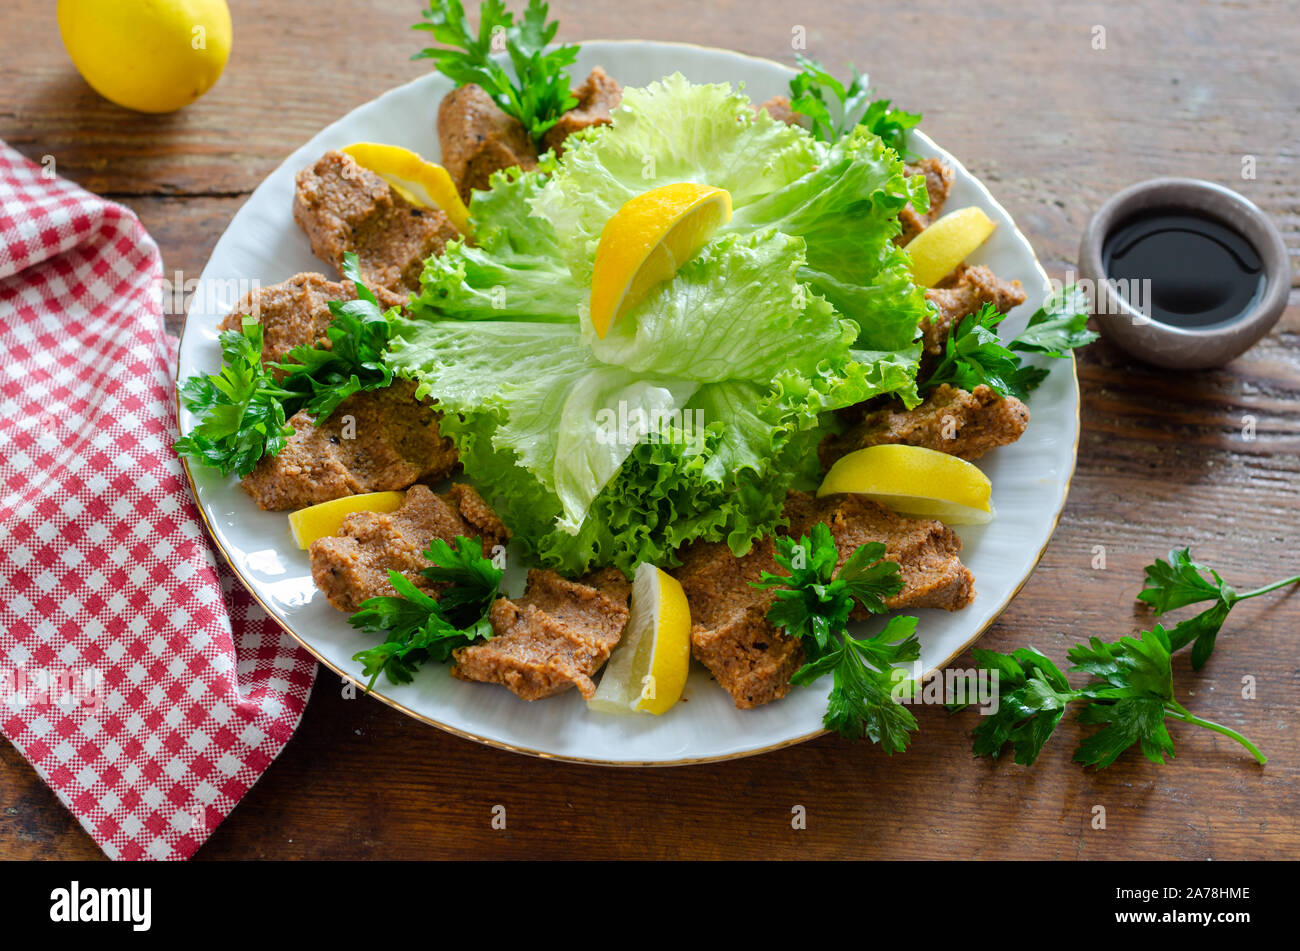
<point x="742" y="754"/>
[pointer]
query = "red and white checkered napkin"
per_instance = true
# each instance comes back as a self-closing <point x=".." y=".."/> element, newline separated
<point x="142" y="681"/>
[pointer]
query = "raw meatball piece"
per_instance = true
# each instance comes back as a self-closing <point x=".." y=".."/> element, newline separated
<point x="346" y="208"/>
<point x="297" y="312"/>
<point x="961" y="294"/>
<point x="553" y="638"/>
<point x="730" y="634"/>
<point x="926" y="550"/>
<point x="778" y="107"/>
<point x="376" y="441"/>
<point x="478" y="139"/>
<point x="948" y="420"/>
<point x="938" y="182"/>
<point x="354" y="564"/>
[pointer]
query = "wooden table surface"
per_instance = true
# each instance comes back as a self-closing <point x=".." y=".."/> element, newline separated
<point x="1053" y="125"/>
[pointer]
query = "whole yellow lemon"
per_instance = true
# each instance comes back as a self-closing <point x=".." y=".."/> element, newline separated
<point x="147" y="55"/>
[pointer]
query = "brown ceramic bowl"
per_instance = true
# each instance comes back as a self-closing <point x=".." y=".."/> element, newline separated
<point x="1181" y="347"/>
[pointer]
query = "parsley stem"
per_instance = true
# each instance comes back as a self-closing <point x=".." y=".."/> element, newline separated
<point x="1268" y="587"/>
<point x="1179" y="712"/>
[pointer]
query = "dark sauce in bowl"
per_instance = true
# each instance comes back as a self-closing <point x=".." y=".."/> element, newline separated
<point x="1201" y="272"/>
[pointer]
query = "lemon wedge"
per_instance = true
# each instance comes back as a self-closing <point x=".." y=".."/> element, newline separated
<point x="423" y="184"/>
<point x="946" y="243"/>
<point x="913" y="481"/>
<point x="326" y="518"/>
<point x="647" y="240"/>
<point x="647" y="671"/>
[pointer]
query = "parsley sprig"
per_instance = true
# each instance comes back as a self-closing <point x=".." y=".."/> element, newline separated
<point x="1131" y="695"/>
<point x="244" y="407"/>
<point x="1033" y="696"/>
<point x="354" y="362"/>
<point x="1059" y="326"/>
<point x="1180" y="581"/>
<point x="974" y="353"/>
<point x="541" y="94"/>
<point x="809" y="91"/>
<point x="418" y="627"/>
<point x="813" y="602"/>
<point x="861" y="702"/>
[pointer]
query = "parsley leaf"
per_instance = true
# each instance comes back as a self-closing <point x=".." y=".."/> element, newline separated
<point x="1201" y="631"/>
<point x="1133" y="694"/>
<point x="1059" y="326"/>
<point x="1134" y="684"/>
<point x="243" y="416"/>
<point x="813" y="602"/>
<point x="354" y="361"/>
<point x="245" y="408"/>
<point x="1029" y="712"/>
<point x="1180" y="581"/>
<point x="1129" y="667"/>
<point x="861" y="702"/>
<point x="1134" y="720"/>
<point x="415" y="631"/>
<point x="808" y="96"/>
<point x="974" y="353"/>
<point x="474" y="579"/>
<point x="891" y="125"/>
<point x="418" y="627"/>
<point x="869" y="578"/>
<point x="541" y="94"/>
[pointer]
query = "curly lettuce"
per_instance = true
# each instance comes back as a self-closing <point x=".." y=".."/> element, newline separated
<point x="704" y="405"/>
<point x="670" y="131"/>
<point x="514" y="269"/>
<point x="838" y="207"/>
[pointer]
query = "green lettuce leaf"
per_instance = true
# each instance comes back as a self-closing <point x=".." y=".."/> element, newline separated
<point x="669" y="131"/>
<point x="697" y="413"/>
<point x="737" y="311"/>
<point x="846" y="210"/>
<point x="513" y="271"/>
<point x="590" y="446"/>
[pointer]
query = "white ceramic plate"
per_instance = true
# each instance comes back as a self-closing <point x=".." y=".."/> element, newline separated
<point x="1030" y="478"/>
